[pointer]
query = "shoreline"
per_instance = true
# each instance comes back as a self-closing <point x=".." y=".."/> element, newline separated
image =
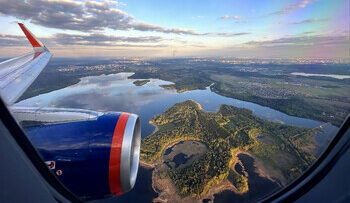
<point x="146" y="164"/>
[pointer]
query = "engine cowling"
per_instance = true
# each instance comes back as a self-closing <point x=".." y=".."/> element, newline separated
<point x="94" y="158"/>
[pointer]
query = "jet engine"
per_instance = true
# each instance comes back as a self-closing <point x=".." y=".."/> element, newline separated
<point x="94" y="155"/>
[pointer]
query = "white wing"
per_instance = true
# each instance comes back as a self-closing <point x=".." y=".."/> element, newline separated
<point x="18" y="73"/>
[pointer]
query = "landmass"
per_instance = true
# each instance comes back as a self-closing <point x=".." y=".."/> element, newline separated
<point x="268" y="83"/>
<point x="141" y="82"/>
<point x="324" y="99"/>
<point x="216" y="140"/>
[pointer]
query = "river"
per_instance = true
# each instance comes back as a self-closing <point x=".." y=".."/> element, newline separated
<point x="116" y="92"/>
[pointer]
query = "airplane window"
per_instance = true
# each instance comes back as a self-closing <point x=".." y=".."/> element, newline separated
<point x="162" y="101"/>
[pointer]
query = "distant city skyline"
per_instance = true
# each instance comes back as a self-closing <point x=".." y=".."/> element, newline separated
<point x="158" y="28"/>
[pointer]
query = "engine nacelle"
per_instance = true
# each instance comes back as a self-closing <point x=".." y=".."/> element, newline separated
<point x="93" y="158"/>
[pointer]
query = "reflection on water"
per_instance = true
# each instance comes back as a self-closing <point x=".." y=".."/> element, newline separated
<point x="107" y="93"/>
<point x="116" y="92"/>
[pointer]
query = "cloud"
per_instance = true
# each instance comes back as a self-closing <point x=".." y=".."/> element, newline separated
<point x="68" y="14"/>
<point x="150" y="27"/>
<point x="88" y="16"/>
<point x="63" y="40"/>
<point x="94" y="39"/>
<point x="308" y="32"/>
<point x="307" y="21"/>
<point x="199" y="17"/>
<point x="241" y="21"/>
<point x="224" y="34"/>
<point x="225" y="17"/>
<point x="288" y="9"/>
<point x="317" y="40"/>
<point x="235" y="17"/>
<point x="100" y="39"/>
<point x="12" y="40"/>
<point x="292" y="7"/>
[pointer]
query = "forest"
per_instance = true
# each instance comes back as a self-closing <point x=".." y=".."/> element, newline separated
<point x="141" y="82"/>
<point x="225" y="132"/>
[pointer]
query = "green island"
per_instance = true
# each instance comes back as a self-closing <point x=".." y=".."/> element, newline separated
<point x="141" y="82"/>
<point x="230" y="131"/>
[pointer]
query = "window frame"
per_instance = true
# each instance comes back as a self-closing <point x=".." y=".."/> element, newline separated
<point x="23" y="142"/>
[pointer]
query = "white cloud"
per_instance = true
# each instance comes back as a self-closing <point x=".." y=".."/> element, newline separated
<point x="225" y="17"/>
<point x="307" y="21"/>
<point x="235" y="17"/>
<point x="292" y="7"/>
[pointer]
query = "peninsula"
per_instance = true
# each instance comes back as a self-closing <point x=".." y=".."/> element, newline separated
<point x="218" y="138"/>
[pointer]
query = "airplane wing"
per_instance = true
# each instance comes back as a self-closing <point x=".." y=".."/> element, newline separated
<point x="17" y="74"/>
<point x="105" y="146"/>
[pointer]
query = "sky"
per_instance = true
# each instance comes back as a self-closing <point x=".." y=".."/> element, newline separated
<point x="182" y="28"/>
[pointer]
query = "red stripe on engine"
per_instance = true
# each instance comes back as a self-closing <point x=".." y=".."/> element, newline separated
<point x="114" y="158"/>
<point x="31" y="38"/>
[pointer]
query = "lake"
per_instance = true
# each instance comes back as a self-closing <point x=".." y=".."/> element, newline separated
<point x="116" y="92"/>
<point x="340" y="77"/>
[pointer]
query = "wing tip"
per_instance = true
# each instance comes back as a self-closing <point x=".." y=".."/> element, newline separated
<point x="32" y="39"/>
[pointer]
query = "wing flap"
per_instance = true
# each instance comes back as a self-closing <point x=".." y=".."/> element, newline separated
<point x="52" y="115"/>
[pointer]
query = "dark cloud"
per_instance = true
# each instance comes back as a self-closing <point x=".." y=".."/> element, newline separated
<point x="97" y="39"/>
<point x="302" y="41"/>
<point x="12" y="40"/>
<point x="88" y="16"/>
<point x="308" y="32"/>
<point x="67" y="14"/>
<point x="100" y="39"/>
<point x="150" y="27"/>
<point x="224" y="34"/>
<point x="86" y="40"/>
<point x="307" y="21"/>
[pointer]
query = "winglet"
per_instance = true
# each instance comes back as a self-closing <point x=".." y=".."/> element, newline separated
<point x="37" y="45"/>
